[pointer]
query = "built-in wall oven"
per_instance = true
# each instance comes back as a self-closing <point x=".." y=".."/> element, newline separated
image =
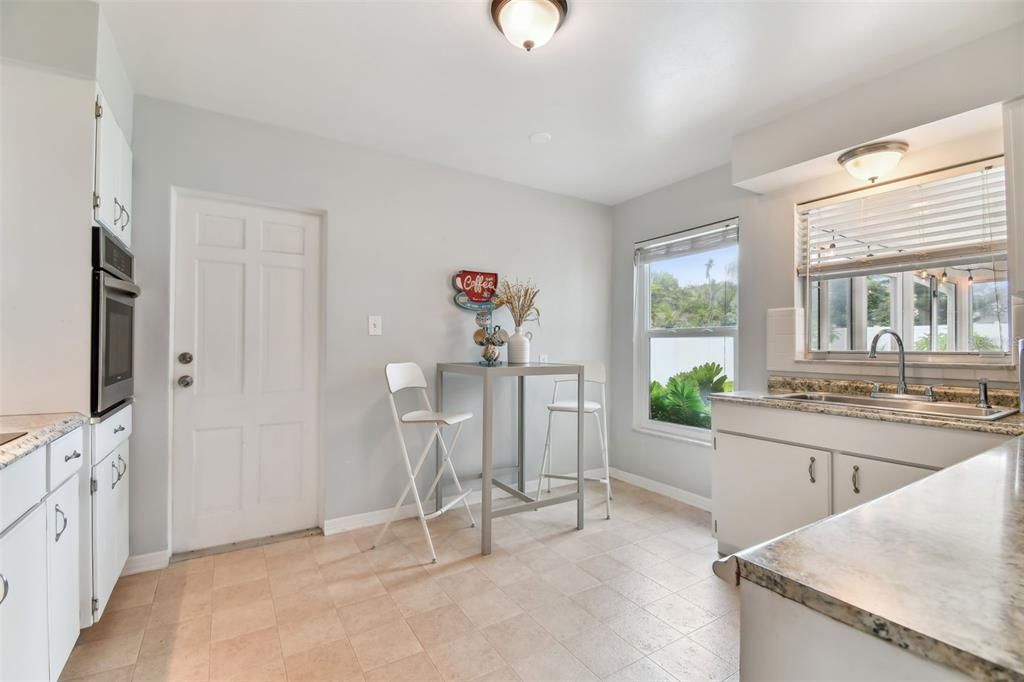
<point x="113" y="321"/>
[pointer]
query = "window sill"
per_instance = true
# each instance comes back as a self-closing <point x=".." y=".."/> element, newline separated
<point x="680" y="434"/>
<point x="1003" y="362"/>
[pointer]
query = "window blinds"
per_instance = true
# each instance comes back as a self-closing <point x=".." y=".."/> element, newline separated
<point x="705" y="238"/>
<point x="941" y="220"/>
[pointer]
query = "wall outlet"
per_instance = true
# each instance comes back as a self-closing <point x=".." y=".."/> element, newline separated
<point x="543" y="357"/>
<point x="374" y="325"/>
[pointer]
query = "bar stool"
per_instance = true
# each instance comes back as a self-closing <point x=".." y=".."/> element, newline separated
<point x="405" y="375"/>
<point x="593" y="373"/>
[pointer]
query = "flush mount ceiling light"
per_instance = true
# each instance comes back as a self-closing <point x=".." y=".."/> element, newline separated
<point x="528" y="23"/>
<point x="873" y="161"/>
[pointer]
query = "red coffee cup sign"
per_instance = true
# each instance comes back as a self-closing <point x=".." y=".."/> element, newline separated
<point x="478" y="286"/>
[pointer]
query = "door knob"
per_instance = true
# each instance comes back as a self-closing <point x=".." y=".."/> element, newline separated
<point x="185" y="358"/>
<point x="185" y="381"/>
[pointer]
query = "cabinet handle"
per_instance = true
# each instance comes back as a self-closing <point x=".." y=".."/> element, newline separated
<point x="121" y="473"/>
<point x="127" y="216"/>
<point x="856" y="479"/>
<point x="119" y="428"/>
<point x="7" y="588"/>
<point x="74" y="455"/>
<point x="117" y="475"/>
<point x="64" y="517"/>
<point x="120" y="211"/>
<point x="810" y="471"/>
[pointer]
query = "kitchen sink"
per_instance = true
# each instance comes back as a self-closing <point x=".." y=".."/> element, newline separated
<point x="934" y="409"/>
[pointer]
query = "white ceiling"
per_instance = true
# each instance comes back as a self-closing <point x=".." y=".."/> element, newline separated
<point x="635" y="94"/>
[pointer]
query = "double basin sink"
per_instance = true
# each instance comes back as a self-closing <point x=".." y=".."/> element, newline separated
<point x="922" y="407"/>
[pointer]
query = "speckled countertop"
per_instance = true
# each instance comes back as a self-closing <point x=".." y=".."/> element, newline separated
<point x="42" y="429"/>
<point x="936" y="568"/>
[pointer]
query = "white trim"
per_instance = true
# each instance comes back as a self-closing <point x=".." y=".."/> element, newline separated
<point x="678" y="494"/>
<point x="140" y="563"/>
<point x="342" y="524"/>
<point x="676" y="432"/>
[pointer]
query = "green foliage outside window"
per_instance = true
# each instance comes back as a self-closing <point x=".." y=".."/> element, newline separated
<point x="685" y="398"/>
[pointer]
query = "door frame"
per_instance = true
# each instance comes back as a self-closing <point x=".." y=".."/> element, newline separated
<point x="177" y="194"/>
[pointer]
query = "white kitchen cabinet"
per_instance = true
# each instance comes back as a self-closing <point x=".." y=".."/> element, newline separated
<point x="112" y="182"/>
<point x="763" y="489"/>
<point x="109" y="524"/>
<point x="62" y="580"/>
<point x="23" y="628"/>
<point x="856" y="480"/>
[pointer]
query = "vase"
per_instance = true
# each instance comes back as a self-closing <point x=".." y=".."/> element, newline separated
<point x="519" y="347"/>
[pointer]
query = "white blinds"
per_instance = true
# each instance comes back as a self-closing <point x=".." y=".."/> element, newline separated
<point x="950" y="219"/>
<point x="705" y="238"/>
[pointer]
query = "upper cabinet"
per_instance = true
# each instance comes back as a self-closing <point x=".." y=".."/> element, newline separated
<point x="112" y="183"/>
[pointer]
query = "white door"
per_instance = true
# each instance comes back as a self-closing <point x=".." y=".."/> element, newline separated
<point x="763" y="489"/>
<point x="247" y="310"/>
<point x="23" y="636"/>
<point x="857" y="479"/>
<point x="62" y="559"/>
<point x="109" y="524"/>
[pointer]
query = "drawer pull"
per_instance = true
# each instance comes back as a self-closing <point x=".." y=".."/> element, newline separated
<point x="74" y="455"/>
<point x="119" y="428"/>
<point x="7" y="588"/>
<point x="810" y="470"/>
<point x="63" y="527"/>
<point x="856" y="479"/>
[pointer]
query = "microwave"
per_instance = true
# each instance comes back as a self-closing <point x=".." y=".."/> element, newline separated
<point x="113" y="322"/>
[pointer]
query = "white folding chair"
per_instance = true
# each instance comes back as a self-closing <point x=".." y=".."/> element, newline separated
<point x="400" y="376"/>
<point x="593" y="373"/>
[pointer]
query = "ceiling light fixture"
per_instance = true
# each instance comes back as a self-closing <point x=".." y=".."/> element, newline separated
<point x="528" y="23"/>
<point x="873" y="161"/>
<point x="540" y="138"/>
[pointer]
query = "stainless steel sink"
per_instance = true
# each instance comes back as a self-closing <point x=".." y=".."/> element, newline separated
<point x="935" y="409"/>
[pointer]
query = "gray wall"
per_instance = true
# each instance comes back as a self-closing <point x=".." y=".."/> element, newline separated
<point x="396" y="230"/>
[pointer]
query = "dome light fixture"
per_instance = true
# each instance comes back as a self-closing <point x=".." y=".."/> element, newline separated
<point x="528" y="23"/>
<point x="873" y="161"/>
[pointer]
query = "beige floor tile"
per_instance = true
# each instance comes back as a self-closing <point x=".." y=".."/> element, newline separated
<point x="295" y="545"/>
<point x="604" y="603"/>
<point x="415" y="668"/>
<point x="721" y="637"/>
<point x="368" y="614"/>
<point x="670" y="575"/>
<point x="330" y="661"/>
<point x="241" y="620"/>
<point x="602" y="651"/>
<point x="283" y="584"/>
<point x="186" y="636"/>
<point x="402" y="576"/>
<point x="230" y="596"/>
<point x="301" y="634"/>
<point x="504" y="569"/>
<point x="699" y="562"/>
<point x="179" y="610"/>
<point x="117" y="624"/>
<point x="356" y="589"/>
<point x="240" y="572"/>
<point x="644" y="632"/>
<point x="197" y="565"/>
<point x="713" y="595"/>
<point x="332" y="548"/>
<point x="663" y="544"/>
<point x="132" y="591"/>
<point x="103" y="655"/>
<point x="440" y="625"/>
<point x="239" y="556"/>
<point x="421" y="596"/>
<point x="517" y="637"/>
<point x="680" y="613"/>
<point x="123" y="674"/>
<point x="608" y="540"/>
<point x="304" y="604"/>
<point x="192" y="665"/>
<point x="634" y="557"/>
<point x="550" y="664"/>
<point x="568" y="579"/>
<point x="603" y="567"/>
<point x="638" y="588"/>
<point x="542" y="560"/>
<point x="177" y="586"/>
<point x="503" y="674"/>
<point x="385" y="644"/>
<point x="253" y="656"/>
<point x="644" y="670"/>
<point x="466" y="584"/>
<point x="531" y="594"/>
<point x="349" y="567"/>
<point x="466" y="658"/>
<point x="563" y="618"/>
<point x="291" y="562"/>
<point x="687" y="660"/>
<point x="489" y="607"/>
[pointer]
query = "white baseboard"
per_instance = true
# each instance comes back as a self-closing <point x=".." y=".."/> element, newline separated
<point x="140" y="563"/>
<point x="342" y="524"/>
<point x="678" y="494"/>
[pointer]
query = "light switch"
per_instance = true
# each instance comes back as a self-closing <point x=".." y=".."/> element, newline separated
<point x="374" y="325"/>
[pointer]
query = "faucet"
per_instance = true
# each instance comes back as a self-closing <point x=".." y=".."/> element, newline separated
<point x="901" y="385"/>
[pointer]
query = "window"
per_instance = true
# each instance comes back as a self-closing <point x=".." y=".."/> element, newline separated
<point x="686" y="322"/>
<point x="925" y="256"/>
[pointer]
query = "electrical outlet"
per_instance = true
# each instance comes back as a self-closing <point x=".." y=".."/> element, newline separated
<point x="544" y="357"/>
<point x="374" y="325"/>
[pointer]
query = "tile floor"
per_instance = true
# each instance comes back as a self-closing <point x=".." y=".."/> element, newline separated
<point x="632" y="598"/>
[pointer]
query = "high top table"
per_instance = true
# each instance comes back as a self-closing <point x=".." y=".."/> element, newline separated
<point x="489" y="375"/>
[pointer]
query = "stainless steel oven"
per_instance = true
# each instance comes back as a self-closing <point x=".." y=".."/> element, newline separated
<point x="113" y="322"/>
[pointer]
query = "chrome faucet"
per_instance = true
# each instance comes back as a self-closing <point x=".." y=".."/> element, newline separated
<point x="901" y="385"/>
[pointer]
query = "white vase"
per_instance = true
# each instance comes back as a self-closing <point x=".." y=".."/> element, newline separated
<point x="519" y="347"/>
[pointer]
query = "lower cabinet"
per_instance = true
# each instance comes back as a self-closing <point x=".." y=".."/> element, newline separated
<point x="857" y="480"/>
<point x="763" y="489"/>
<point x="109" y="524"/>
<point x="23" y="628"/>
<point x="62" y="573"/>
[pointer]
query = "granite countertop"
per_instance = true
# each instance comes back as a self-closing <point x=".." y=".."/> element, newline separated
<point x="42" y="429"/>
<point x="1010" y="425"/>
<point x="936" y="568"/>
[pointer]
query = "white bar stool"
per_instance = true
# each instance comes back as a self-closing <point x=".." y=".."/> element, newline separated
<point x="593" y="373"/>
<point x="400" y="376"/>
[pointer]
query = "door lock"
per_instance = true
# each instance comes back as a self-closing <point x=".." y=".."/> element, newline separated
<point x="185" y="358"/>
<point x="185" y="381"/>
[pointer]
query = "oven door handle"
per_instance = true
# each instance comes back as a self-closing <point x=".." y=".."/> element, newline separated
<point x="119" y="285"/>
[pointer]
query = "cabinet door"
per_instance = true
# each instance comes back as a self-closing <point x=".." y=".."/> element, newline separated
<point x="763" y="489"/>
<point x="107" y="178"/>
<point x="23" y="635"/>
<point x="124" y="192"/>
<point x="110" y="524"/>
<point x="62" y="573"/>
<point x="857" y="480"/>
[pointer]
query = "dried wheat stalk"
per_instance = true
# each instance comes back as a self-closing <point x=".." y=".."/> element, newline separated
<point x="519" y="298"/>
